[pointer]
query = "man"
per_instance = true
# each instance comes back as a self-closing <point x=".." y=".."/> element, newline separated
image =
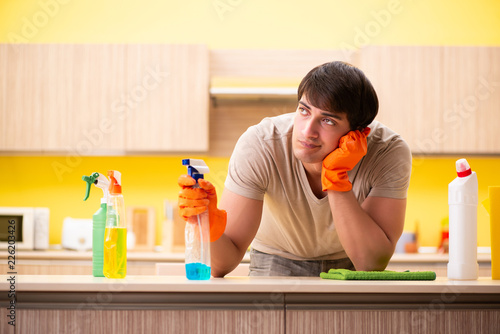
<point x="324" y="187"/>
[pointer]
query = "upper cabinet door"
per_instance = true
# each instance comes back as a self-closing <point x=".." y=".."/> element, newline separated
<point x="22" y="98"/>
<point x="440" y="99"/>
<point x="167" y="98"/>
<point x="408" y="85"/>
<point x="471" y="99"/>
<point x="82" y="83"/>
<point x="86" y="99"/>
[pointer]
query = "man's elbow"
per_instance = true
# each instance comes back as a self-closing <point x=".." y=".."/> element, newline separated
<point x="372" y="264"/>
<point x="221" y="269"/>
<point x="219" y="273"/>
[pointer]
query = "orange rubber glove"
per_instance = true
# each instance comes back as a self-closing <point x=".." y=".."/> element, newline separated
<point x="193" y="201"/>
<point x="352" y="147"/>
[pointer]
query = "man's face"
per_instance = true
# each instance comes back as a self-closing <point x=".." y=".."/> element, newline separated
<point x="316" y="132"/>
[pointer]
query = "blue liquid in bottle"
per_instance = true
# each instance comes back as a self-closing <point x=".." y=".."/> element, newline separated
<point x="197" y="271"/>
<point x="197" y="235"/>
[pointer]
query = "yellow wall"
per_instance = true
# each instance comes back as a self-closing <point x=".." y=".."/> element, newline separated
<point x="148" y="181"/>
<point x="253" y="23"/>
<point x="31" y="181"/>
<point x="428" y="195"/>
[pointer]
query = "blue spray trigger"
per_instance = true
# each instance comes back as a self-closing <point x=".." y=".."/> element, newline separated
<point x="196" y="168"/>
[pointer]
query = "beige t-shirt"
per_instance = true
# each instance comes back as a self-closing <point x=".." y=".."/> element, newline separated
<point x="296" y="224"/>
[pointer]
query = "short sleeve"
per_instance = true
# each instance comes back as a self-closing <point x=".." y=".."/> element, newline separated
<point x="248" y="170"/>
<point x="391" y="172"/>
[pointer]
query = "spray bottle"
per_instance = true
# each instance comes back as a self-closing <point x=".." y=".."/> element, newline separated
<point x="115" y="234"/>
<point x="197" y="231"/>
<point x="98" y="221"/>
<point x="462" y="200"/>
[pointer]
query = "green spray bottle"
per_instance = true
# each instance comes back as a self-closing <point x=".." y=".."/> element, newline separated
<point x="98" y="222"/>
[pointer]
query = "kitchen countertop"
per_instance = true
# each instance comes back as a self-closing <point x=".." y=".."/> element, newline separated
<point x="173" y="304"/>
<point x="244" y="284"/>
<point x="246" y="304"/>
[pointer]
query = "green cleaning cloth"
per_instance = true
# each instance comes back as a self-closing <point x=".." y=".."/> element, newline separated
<point x="345" y="274"/>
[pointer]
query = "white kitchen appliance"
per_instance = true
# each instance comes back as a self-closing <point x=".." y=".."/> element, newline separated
<point x="77" y="234"/>
<point x="24" y="228"/>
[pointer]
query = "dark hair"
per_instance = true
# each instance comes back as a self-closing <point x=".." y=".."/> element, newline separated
<point x="340" y="87"/>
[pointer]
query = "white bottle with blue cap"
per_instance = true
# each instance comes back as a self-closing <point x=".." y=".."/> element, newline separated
<point x="197" y="231"/>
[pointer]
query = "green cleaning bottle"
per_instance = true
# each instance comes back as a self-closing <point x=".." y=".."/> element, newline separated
<point x="98" y="222"/>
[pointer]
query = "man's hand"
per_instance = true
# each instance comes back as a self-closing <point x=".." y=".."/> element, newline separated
<point x="352" y="147"/>
<point x="193" y="201"/>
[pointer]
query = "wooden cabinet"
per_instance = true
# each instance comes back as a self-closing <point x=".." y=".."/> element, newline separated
<point x="422" y="319"/>
<point x="105" y="98"/>
<point x="471" y="103"/>
<point x="21" y="102"/>
<point x="152" y="304"/>
<point x="225" y="320"/>
<point x="82" y="83"/>
<point x="116" y="98"/>
<point x="440" y="99"/>
<point x="168" y="98"/>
